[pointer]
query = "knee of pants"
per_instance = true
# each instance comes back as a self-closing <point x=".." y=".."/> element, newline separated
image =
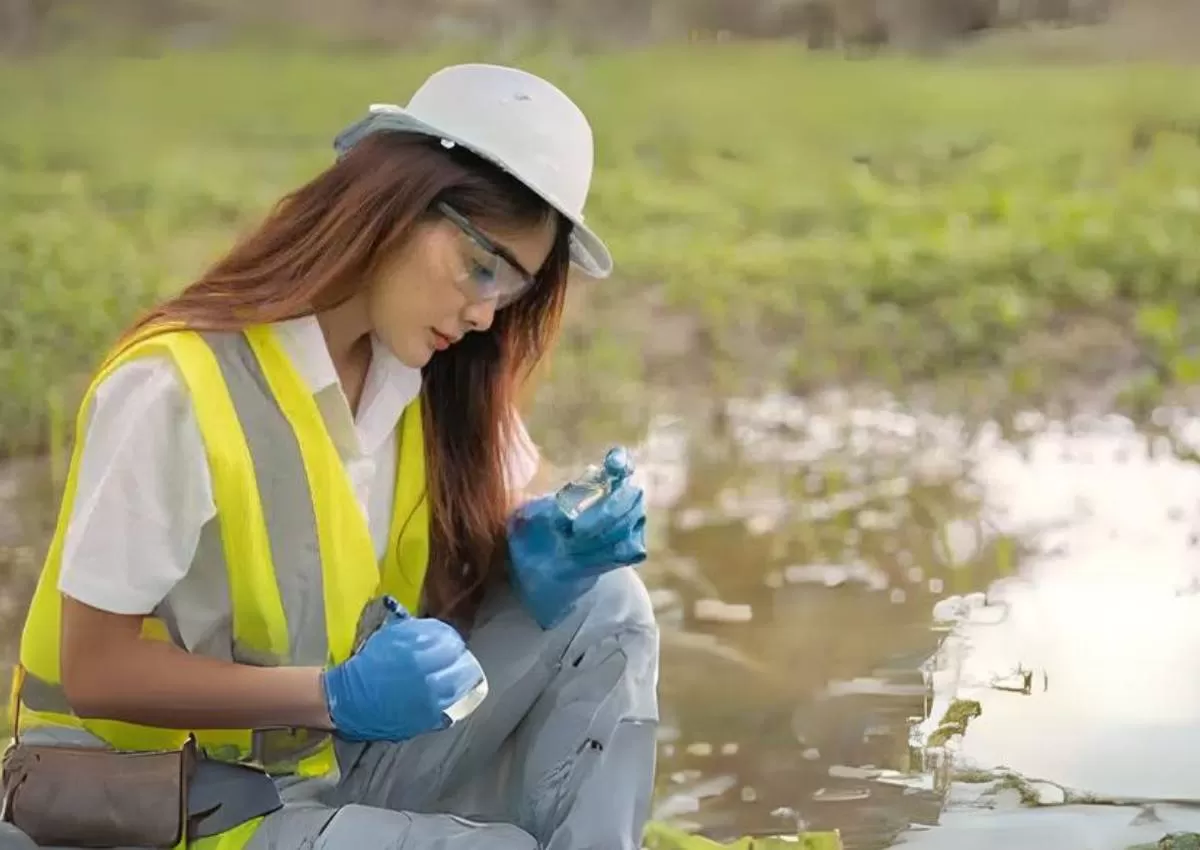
<point x="369" y="828"/>
<point x="619" y="601"/>
<point x="618" y="608"/>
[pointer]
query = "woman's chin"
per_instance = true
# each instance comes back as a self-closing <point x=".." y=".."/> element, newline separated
<point x="418" y="358"/>
<point x="414" y="352"/>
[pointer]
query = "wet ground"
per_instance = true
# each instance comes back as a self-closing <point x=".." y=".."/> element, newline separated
<point x="831" y="576"/>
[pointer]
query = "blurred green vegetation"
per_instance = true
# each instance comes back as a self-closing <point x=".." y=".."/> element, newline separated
<point x="787" y="216"/>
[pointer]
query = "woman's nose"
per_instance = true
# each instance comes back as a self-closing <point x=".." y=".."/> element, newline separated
<point x="479" y="315"/>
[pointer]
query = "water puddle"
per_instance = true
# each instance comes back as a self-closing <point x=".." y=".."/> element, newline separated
<point x="1049" y="586"/>
<point x="803" y="549"/>
<point x="1081" y="676"/>
<point x="1079" y="665"/>
<point x="840" y="579"/>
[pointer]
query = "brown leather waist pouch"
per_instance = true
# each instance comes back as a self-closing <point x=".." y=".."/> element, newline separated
<point x="85" y="797"/>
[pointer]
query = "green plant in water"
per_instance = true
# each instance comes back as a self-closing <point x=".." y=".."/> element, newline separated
<point x="1174" y="841"/>
<point x="1179" y="841"/>
<point x="659" y="836"/>
<point x="973" y="777"/>
<point x="954" y="721"/>
<point x="1026" y="793"/>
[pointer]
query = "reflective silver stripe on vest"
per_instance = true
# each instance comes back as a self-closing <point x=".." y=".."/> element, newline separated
<point x="277" y="750"/>
<point x="286" y="501"/>
<point x="164" y="612"/>
<point x="41" y="695"/>
<point x="287" y="505"/>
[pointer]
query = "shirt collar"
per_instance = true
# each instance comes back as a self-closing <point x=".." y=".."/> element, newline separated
<point x="305" y="346"/>
<point x="389" y="388"/>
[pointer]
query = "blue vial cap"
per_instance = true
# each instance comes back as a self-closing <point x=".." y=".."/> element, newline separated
<point x="617" y="463"/>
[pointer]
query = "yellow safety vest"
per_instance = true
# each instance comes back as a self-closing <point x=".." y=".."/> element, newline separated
<point x="250" y="402"/>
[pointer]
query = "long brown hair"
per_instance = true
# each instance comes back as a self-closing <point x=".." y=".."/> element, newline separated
<point x="319" y="247"/>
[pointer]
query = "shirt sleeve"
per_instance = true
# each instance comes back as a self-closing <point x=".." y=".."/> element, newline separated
<point x="143" y="492"/>
<point x="522" y="460"/>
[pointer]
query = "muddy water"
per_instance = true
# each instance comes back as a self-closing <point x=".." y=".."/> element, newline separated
<point x="1105" y="616"/>
<point x="804" y="547"/>
<point x="1083" y="664"/>
<point x="1052" y="575"/>
<point x="811" y="558"/>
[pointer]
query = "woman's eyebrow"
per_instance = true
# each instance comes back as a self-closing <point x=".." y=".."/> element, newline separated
<point x="506" y="255"/>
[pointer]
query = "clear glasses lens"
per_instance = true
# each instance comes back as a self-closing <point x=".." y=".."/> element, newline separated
<point x="486" y="275"/>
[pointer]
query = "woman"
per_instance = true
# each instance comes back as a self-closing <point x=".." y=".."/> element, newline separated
<point x="310" y="442"/>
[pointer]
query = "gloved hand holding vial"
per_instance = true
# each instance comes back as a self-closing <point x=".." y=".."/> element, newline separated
<point x="559" y="545"/>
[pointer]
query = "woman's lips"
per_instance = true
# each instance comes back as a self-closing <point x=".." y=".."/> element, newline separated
<point x="441" y="342"/>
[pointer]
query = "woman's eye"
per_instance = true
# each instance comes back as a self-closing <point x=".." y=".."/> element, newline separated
<point x="481" y="274"/>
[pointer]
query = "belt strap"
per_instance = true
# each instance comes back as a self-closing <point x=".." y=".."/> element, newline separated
<point x="222" y="796"/>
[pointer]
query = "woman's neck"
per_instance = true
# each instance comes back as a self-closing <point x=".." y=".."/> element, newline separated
<point x="347" y="336"/>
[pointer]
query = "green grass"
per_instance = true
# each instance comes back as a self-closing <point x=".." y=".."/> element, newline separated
<point x="812" y="219"/>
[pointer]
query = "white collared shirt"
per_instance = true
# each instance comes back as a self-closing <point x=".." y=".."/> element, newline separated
<point x="144" y="492"/>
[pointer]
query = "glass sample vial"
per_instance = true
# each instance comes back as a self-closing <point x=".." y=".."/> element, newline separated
<point x="466" y="706"/>
<point x="593" y="484"/>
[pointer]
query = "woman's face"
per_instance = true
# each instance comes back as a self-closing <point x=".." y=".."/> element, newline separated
<point x="449" y="280"/>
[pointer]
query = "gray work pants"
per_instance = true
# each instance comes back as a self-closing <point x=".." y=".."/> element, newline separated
<point x="560" y="756"/>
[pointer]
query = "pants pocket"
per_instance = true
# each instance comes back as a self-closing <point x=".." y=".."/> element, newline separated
<point x="595" y="739"/>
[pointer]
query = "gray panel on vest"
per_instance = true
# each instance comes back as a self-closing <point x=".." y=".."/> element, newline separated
<point x="285" y="495"/>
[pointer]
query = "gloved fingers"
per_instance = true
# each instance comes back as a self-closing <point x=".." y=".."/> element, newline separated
<point x="607" y="536"/>
<point x="612" y="514"/>
<point x="616" y="550"/>
<point x="625" y="555"/>
<point x="632" y="550"/>
<point x="437" y="647"/>
<point x="453" y="683"/>
<point x="596" y="562"/>
<point x="582" y="548"/>
<point x="626" y="498"/>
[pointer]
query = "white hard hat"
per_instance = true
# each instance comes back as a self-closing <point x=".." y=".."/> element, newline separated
<point x="517" y="121"/>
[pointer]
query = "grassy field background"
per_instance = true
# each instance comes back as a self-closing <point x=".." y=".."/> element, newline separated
<point x="777" y="217"/>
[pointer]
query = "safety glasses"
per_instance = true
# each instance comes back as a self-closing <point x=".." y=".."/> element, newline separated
<point x="488" y="271"/>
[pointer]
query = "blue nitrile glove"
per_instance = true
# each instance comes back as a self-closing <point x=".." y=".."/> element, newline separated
<point x="554" y="560"/>
<point x="401" y="680"/>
